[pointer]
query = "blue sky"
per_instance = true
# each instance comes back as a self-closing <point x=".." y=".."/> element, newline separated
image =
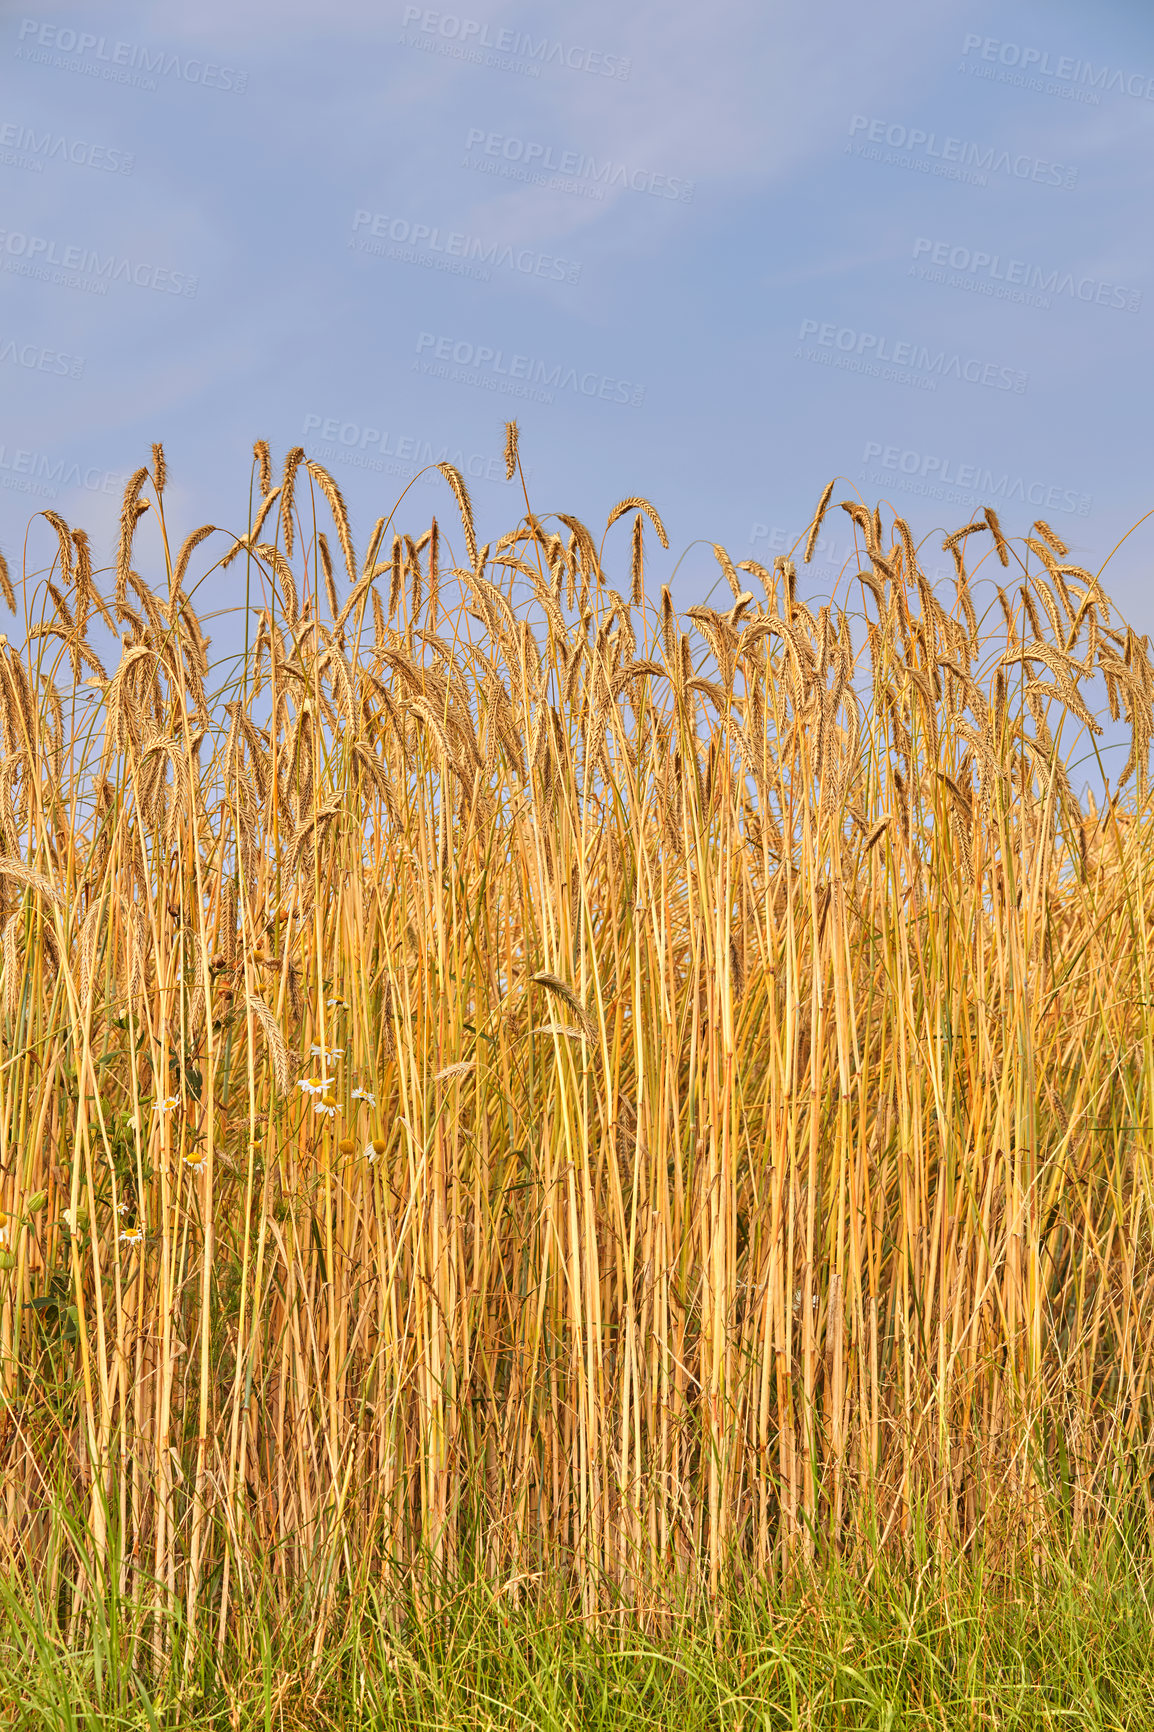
<point x="714" y="256"/>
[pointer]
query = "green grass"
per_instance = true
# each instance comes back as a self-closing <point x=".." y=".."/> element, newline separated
<point x="905" y="1651"/>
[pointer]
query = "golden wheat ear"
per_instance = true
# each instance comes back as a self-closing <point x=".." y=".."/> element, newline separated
<point x="263" y="460"/>
<point x="6" y="589"/>
<point x="131" y="510"/>
<point x="511" y="441"/>
<point x="818" y="520"/>
<point x="464" y="505"/>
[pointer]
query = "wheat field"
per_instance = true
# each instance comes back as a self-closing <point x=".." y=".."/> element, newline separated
<point x="505" y="1081"/>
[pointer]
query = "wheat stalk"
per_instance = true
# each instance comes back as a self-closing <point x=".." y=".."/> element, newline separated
<point x="776" y="1239"/>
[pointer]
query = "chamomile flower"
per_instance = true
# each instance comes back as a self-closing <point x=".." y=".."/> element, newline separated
<point x="327" y="1106"/>
<point x="335" y="1004"/>
<point x="123" y="1206"/>
<point x="167" y="1105"/>
<point x="332" y="1052"/>
<point x="194" y="1163"/>
<point x="315" y="1085"/>
<point x="373" y="1149"/>
<point x="364" y="1095"/>
<point x="132" y="1236"/>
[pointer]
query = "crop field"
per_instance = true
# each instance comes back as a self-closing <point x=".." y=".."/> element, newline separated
<point x="565" y="1163"/>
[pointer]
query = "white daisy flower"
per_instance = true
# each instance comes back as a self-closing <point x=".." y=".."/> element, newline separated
<point x="132" y="1236"/>
<point x="315" y="1085"/>
<point x="166" y="1106"/>
<point x="330" y="1108"/>
<point x="332" y="1052"/>
<point x="364" y="1095"/>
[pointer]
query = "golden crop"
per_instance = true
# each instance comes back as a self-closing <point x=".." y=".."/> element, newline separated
<point x="522" y="1083"/>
